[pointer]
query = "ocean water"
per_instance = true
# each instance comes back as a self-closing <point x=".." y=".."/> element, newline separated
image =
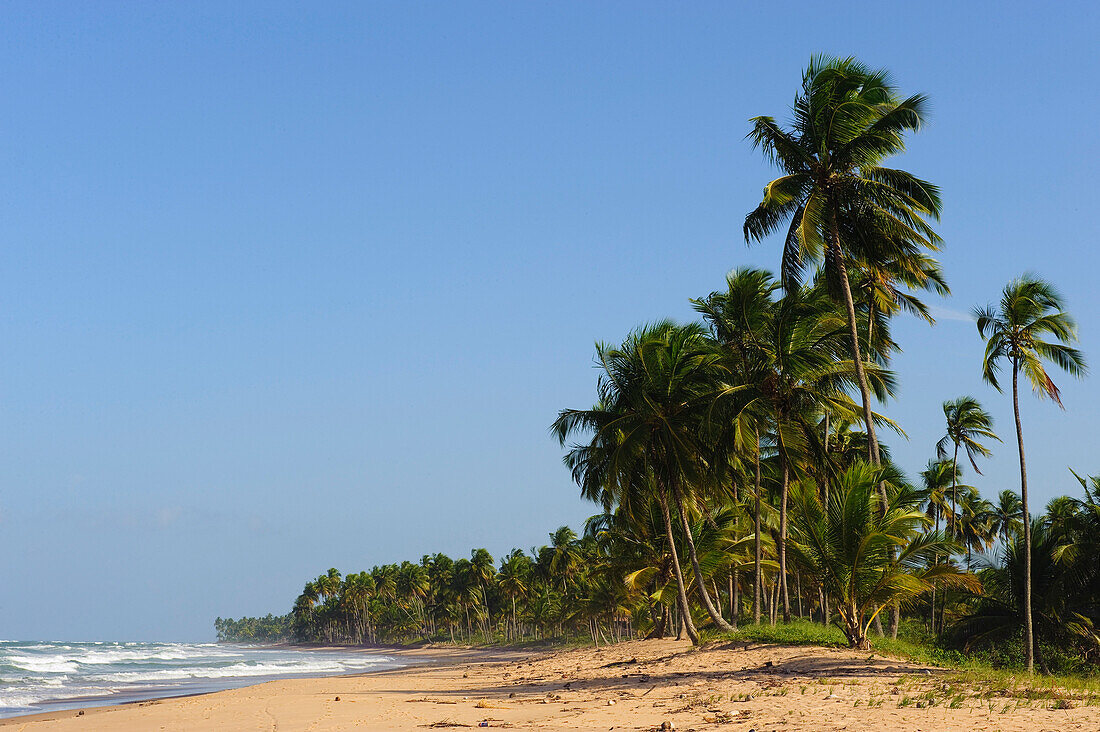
<point x="42" y="677"/>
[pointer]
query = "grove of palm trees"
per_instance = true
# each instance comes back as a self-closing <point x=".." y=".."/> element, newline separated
<point x="741" y="463"/>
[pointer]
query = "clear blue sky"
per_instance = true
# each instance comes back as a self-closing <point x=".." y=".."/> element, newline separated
<point x="290" y="287"/>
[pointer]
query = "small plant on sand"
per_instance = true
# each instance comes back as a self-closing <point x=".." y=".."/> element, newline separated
<point x="866" y="558"/>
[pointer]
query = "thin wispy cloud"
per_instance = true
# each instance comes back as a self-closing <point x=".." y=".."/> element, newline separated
<point x="941" y="313"/>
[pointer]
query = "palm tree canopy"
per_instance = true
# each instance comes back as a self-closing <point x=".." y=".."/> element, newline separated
<point x="967" y="423"/>
<point x="1029" y="326"/>
<point x="846" y="121"/>
<point x="653" y="395"/>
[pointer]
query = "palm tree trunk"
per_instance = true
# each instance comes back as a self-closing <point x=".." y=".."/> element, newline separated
<point x="775" y="600"/>
<point x="853" y="333"/>
<point x="955" y="492"/>
<point x="700" y="582"/>
<point x="1029" y="639"/>
<point x="757" y="580"/>
<point x="784" y="486"/>
<point x="936" y="560"/>
<point x="864" y="390"/>
<point x="689" y="626"/>
<point x="870" y="319"/>
<point x="734" y="580"/>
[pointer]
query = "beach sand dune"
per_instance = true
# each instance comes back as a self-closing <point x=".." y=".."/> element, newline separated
<point x="640" y="685"/>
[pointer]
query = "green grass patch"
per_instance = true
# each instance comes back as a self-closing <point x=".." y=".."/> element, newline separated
<point x="795" y="633"/>
<point x="916" y="645"/>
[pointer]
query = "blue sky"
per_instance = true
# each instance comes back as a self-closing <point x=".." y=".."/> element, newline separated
<point x="290" y="287"/>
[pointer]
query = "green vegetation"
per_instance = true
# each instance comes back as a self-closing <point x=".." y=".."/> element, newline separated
<point x="737" y="464"/>
<point x="268" y="629"/>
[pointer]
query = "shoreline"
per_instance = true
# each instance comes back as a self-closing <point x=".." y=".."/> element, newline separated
<point x="634" y="685"/>
<point x="420" y="656"/>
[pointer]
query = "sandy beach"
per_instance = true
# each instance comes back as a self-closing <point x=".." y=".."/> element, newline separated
<point x="639" y="685"/>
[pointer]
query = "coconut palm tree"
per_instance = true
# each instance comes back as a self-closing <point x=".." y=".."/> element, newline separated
<point x="739" y="320"/>
<point x="483" y="570"/>
<point x="645" y="430"/>
<point x="304" y="609"/>
<point x="513" y="580"/>
<point x="412" y="586"/>
<point x="868" y="558"/>
<point x="1008" y="521"/>
<point x="967" y="424"/>
<point x="1027" y="328"/>
<point x="841" y="205"/>
<point x="976" y="522"/>
<point x="938" y="479"/>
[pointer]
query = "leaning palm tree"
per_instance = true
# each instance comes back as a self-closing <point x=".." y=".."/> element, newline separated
<point x="1028" y="326"/>
<point x="868" y="558"/>
<point x="645" y="431"/>
<point x="841" y="204"/>
<point x="967" y="424"/>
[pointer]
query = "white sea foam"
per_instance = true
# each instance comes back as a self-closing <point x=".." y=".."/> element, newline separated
<point x="42" y="676"/>
<point x="43" y="665"/>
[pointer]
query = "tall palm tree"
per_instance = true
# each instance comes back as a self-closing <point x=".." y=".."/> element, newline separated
<point x="645" y="429"/>
<point x="739" y="320"/>
<point x="565" y="561"/>
<point x="841" y="204"/>
<point x="328" y="584"/>
<point x="967" y="424"/>
<point x="1028" y="326"/>
<point x="412" y="587"/>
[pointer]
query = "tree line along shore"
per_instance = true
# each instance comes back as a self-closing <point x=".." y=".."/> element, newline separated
<point x="739" y="462"/>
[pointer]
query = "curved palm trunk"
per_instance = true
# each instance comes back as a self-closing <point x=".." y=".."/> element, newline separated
<point x="735" y="597"/>
<point x="715" y="616"/>
<point x="1029" y="640"/>
<point x="784" y="489"/>
<point x="932" y="626"/>
<point x="955" y="492"/>
<point x="864" y="390"/>
<point x="734" y="576"/>
<point x="857" y="358"/>
<point x="685" y="609"/>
